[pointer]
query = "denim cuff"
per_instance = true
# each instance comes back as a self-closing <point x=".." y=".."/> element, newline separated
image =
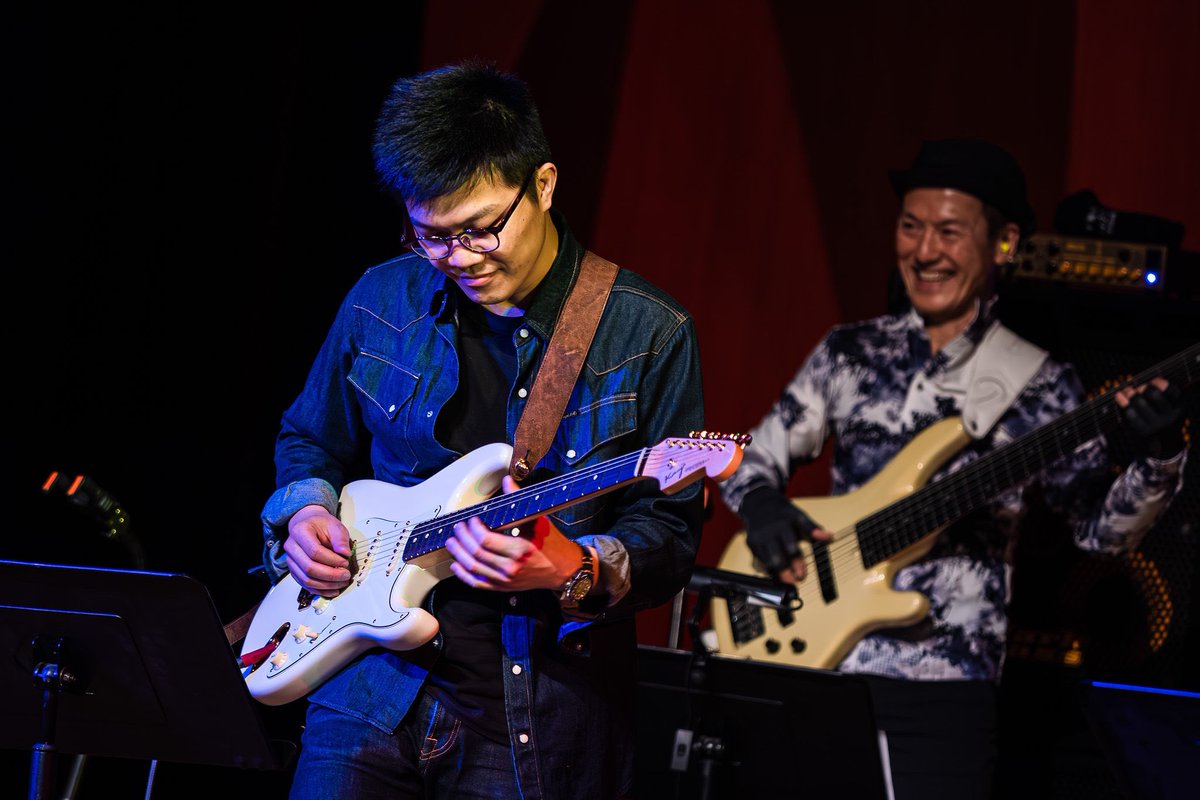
<point x="280" y="507"/>
<point x="613" y="570"/>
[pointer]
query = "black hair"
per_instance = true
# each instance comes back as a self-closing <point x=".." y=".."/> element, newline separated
<point x="996" y="222"/>
<point x="446" y="130"/>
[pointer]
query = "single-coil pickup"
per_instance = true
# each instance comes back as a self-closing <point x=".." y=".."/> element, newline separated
<point x="364" y="566"/>
<point x="398" y="548"/>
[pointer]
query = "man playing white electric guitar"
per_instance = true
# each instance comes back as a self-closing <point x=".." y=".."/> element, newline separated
<point x="526" y="685"/>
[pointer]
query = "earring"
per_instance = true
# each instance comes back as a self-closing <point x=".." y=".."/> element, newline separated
<point x="1004" y="247"/>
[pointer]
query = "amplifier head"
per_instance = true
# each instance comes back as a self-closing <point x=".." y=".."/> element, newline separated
<point x="1095" y="263"/>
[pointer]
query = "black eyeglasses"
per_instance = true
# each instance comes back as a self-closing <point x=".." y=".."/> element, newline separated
<point x="477" y="240"/>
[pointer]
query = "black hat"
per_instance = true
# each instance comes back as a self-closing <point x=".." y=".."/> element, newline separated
<point x="973" y="166"/>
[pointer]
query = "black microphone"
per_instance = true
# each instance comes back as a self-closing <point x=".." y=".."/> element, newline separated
<point x="91" y="499"/>
<point x="757" y="591"/>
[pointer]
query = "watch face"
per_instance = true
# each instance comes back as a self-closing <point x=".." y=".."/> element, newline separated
<point x="581" y="587"/>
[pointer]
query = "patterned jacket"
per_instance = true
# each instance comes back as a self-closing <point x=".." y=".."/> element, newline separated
<point x="873" y="386"/>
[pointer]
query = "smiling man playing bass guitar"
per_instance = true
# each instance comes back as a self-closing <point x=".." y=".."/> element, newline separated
<point x="933" y="657"/>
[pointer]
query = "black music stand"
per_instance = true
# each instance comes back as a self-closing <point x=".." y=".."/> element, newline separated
<point x="121" y="663"/>
<point x="1150" y="735"/>
<point x="729" y="728"/>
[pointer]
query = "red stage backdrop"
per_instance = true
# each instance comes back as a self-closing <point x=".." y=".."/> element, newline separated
<point x="737" y="156"/>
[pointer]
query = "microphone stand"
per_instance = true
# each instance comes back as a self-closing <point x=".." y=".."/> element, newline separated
<point x="707" y="582"/>
<point x="709" y="749"/>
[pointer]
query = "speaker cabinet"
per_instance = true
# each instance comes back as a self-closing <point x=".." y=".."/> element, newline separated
<point x="1128" y="617"/>
<point x="1079" y="617"/>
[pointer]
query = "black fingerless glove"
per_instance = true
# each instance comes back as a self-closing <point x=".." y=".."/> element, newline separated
<point x="1155" y="418"/>
<point x="774" y="526"/>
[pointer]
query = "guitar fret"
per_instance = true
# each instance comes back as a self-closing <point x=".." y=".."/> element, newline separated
<point x="909" y="522"/>
<point x="509" y="510"/>
<point x="387" y="535"/>
<point x="906" y="521"/>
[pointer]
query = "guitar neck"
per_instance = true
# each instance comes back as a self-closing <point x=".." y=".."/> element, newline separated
<point x="507" y="510"/>
<point x="903" y="523"/>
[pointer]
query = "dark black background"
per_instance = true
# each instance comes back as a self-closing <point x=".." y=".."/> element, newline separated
<point x="188" y="194"/>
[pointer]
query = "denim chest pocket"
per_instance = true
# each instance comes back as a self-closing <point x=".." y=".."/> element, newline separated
<point x="596" y="432"/>
<point x="387" y="392"/>
<point x="386" y="385"/>
<point x="586" y="433"/>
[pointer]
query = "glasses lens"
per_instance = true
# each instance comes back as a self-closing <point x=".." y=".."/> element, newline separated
<point x="479" y="241"/>
<point x="430" y="248"/>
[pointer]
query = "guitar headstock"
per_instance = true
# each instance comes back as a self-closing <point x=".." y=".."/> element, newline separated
<point x="676" y="462"/>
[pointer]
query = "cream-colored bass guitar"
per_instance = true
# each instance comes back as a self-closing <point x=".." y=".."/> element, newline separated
<point x="297" y="640"/>
<point x="892" y="521"/>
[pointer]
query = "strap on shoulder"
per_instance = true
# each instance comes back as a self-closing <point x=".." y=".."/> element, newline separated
<point x="1005" y="363"/>
<point x="565" y="354"/>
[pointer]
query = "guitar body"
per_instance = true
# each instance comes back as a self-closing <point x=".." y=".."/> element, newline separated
<point x="399" y="536"/>
<point x="820" y="633"/>
<point x="892" y="521"/>
<point x="381" y="606"/>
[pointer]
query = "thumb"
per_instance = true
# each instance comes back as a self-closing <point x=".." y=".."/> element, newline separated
<point x="339" y="538"/>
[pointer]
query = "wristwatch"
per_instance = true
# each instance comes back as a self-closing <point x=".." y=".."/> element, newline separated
<point x="578" y="585"/>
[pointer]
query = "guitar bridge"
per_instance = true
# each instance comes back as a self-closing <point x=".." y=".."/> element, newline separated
<point x="745" y="620"/>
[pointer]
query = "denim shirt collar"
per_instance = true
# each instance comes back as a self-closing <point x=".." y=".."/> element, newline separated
<point x="551" y="293"/>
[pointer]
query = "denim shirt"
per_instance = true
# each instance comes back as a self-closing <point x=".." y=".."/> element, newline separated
<point x="386" y="369"/>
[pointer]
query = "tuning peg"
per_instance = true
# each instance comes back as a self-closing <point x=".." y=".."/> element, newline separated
<point x="740" y="439"/>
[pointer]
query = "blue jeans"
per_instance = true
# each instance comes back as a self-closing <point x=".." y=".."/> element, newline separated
<point x="431" y="755"/>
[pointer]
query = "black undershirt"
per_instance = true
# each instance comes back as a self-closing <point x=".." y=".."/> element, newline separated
<point x="467" y="675"/>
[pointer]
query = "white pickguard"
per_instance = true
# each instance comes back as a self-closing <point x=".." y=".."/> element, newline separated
<point x="381" y="607"/>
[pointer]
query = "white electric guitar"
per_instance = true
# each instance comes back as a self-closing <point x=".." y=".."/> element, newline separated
<point x="398" y="537"/>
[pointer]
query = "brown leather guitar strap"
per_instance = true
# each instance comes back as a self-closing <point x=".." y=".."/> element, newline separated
<point x="560" y="367"/>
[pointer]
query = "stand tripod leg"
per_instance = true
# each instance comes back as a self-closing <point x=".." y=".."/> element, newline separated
<point x="150" y="779"/>
<point x="53" y="679"/>
<point x="41" y="776"/>
<point x="75" y="777"/>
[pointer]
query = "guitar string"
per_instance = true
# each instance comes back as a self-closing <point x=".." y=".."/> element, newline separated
<point x="561" y="486"/>
<point x="567" y="482"/>
<point x="846" y="549"/>
<point x="564" y="486"/>
<point x="1090" y="417"/>
<point x="873" y="530"/>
